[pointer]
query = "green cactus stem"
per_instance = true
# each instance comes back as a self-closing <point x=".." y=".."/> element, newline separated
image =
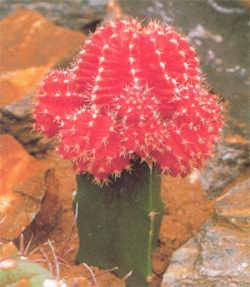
<point x="119" y="224"/>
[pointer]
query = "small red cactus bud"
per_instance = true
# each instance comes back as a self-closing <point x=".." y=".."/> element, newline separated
<point x="133" y="90"/>
<point x="92" y="141"/>
<point x="142" y="127"/>
<point x="191" y="132"/>
<point x="57" y="100"/>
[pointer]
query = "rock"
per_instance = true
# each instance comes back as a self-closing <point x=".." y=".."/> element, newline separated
<point x="235" y="205"/>
<point x="55" y="220"/>
<point x="15" y="84"/>
<point x="218" y="255"/>
<point x="16" y="119"/>
<point x="77" y="15"/>
<point x="114" y="11"/>
<point x="247" y="2"/>
<point x="22" y="188"/>
<point x="33" y="41"/>
<point x="49" y="214"/>
<point x="230" y="160"/>
<point x="31" y="47"/>
<point x="18" y="110"/>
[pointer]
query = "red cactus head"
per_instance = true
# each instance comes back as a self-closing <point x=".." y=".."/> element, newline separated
<point x="133" y="90"/>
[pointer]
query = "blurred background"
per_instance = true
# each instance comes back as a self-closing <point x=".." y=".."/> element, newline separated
<point x="36" y="186"/>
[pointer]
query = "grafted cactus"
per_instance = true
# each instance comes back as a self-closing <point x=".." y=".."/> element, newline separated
<point x="134" y="92"/>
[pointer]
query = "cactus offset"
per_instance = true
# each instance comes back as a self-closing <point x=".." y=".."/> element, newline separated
<point x="23" y="272"/>
<point x="133" y="92"/>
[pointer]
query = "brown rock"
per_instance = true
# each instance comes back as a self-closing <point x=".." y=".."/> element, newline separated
<point x="22" y="188"/>
<point x="218" y="255"/>
<point x="31" y="46"/>
<point x="247" y="2"/>
<point x="51" y="210"/>
<point x="55" y="220"/>
<point x="14" y="85"/>
<point x="33" y="41"/>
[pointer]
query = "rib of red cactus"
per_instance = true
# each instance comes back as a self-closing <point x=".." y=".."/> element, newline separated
<point x="57" y="99"/>
<point x="124" y="52"/>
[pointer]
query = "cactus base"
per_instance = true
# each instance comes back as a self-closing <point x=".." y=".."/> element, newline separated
<point x="119" y="224"/>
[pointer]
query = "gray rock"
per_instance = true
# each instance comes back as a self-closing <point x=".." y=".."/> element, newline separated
<point x="16" y="119"/>
<point x="218" y="255"/>
<point x="20" y="109"/>
<point x="229" y="162"/>
<point x="79" y="15"/>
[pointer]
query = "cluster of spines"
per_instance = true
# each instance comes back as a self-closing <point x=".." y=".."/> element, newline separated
<point x="133" y="91"/>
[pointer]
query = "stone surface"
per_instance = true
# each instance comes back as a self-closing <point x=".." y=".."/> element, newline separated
<point x="32" y="41"/>
<point x="15" y="84"/>
<point x="231" y="159"/>
<point x="55" y="220"/>
<point x="16" y="119"/>
<point x="218" y="255"/>
<point x="31" y="46"/>
<point x="235" y="205"/>
<point x="81" y="15"/>
<point x="22" y="188"/>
